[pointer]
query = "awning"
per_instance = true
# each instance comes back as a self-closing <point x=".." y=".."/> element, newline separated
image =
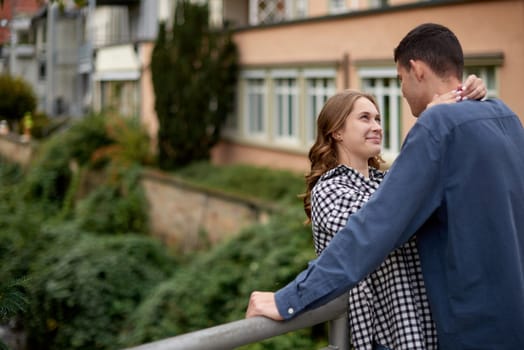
<point x="117" y="63"/>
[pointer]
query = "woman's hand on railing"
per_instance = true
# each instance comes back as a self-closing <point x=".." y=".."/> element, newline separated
<point x="263" y="304"/>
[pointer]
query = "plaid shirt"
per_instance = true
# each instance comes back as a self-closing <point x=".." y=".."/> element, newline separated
<point x="390" y="306"/>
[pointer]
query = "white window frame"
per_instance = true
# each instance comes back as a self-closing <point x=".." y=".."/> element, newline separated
<point x="381" y="92"/>
<point x="262" y="91"/>
<point x="285" y="119"/>
<point x="315" y="98"/>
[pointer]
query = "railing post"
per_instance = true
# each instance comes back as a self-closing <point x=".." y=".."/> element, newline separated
<point x="339" y="333"/>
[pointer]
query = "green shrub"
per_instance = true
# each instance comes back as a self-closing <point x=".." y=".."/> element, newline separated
<point x="214" y="288"/>
<point x="20" y="222"/>
<point x="94" y="142"/>
<point x="82" y="292"/>
<point x="115" y="206"/>
<point x="129" y="145"/>
<point x="51" y="173"/>
<point x="16" y="98"/>
<point x="41" y="125"/>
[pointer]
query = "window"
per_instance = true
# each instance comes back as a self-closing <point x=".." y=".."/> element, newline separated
<point x="273" y="11"/>
<point x="337" y="6"/>
<point x="383" y="85"/>
<point x="286" y="105"/>
<point x="280" y="106"/>
<point x="255" y="103"/>
<point x="320" y="85"/>
<point x="378" y="3"/>
<point x="487" y="74"/>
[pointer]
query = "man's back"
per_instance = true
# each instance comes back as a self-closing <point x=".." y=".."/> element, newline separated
<point x="472" y="246"/>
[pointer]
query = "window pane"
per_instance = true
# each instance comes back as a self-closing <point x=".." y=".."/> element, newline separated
<point x="388" y="95"/>
<point x="318" y="90"/>
<point x="255" y="106"/>
<point x="286" y="111"/>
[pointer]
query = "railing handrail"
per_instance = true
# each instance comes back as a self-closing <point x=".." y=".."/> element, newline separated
<point x="242" y="332"/>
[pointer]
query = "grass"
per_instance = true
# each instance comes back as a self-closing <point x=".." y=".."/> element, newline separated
<point x="267" y="184"/>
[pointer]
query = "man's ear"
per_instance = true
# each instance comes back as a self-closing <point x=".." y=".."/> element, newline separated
<point x="418" y="68"/>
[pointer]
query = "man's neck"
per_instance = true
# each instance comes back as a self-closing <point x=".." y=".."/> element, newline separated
<point x="445" y="85"/>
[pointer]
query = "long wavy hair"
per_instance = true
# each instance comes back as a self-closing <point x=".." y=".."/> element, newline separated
<point x="323" y="154"/>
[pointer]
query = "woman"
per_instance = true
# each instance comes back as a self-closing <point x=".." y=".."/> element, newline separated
<point x="389" y="309"/>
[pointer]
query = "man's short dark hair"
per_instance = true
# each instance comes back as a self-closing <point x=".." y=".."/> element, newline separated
<point x="435" y="45"/>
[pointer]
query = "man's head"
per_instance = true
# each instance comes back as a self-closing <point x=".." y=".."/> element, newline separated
<point x="429" y="58"/>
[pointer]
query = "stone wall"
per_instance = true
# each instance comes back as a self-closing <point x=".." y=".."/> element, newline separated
<point x="188" y="217"/>
<point x="15" y="150"/>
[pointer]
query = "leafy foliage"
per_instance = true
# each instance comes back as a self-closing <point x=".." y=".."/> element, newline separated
<point x="16" y="98"/>
<point x="263" y="183"/>
<point x="13" y="300"/>
<point x="263" y="257"/>
<point x="194" y="73"/>
<point x="129" y="143"/>
<point x="51" y="173"/>
<point x="82" y="290"/>
<point x="97" y="291"/>
<point x="116" y="206"/>
<point x="111" y="145"/>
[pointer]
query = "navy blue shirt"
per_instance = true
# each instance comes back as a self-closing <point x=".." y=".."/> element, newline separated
<point x="458" y="184"/>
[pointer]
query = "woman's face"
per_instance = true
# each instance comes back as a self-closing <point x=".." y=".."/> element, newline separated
<point x="361" y="136"/>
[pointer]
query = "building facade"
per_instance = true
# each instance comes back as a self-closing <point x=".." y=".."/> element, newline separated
<point x="291" y="67"/>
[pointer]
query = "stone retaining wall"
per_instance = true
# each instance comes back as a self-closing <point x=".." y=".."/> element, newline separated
<point x="188" y="217"/>
<point x="14" y="149"/>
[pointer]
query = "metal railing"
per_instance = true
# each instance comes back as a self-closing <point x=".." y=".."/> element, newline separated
<point x="237" y="333"/>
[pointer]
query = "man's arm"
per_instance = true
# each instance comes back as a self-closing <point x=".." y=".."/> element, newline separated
<point x="407" y="197"/>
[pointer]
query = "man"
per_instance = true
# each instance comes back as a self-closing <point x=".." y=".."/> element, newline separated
<point x="457" y="184"/>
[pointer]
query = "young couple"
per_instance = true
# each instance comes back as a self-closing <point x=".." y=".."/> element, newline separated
<point x="447" y="218"/>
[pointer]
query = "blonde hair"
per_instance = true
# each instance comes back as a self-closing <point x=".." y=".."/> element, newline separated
<point x="323" y="153"/>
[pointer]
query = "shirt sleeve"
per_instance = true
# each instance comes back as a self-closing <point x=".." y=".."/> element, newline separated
<point x="409" y="194"/>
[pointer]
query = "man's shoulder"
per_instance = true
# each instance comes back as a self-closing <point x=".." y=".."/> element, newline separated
<point x="447" y="116"/>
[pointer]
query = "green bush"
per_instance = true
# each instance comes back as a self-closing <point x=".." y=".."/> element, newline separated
<point x="41" y="125"/>
<point x="110" y="144"/>
<point x="16" y="98"/>
<point x="214" y="288"/>
<point x="51" y="173"/>
<point x="83" y="291"/>
<point x="115" y="206"/>
<point x="20" y="222"/>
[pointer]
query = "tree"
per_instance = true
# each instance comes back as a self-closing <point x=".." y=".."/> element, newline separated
<point x="13" y="301"/>
<point x="16" y="98"/>
<point x="194" y="72"/>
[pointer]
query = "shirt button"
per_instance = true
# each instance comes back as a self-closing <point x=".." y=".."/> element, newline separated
<point x="290" y="311"/>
